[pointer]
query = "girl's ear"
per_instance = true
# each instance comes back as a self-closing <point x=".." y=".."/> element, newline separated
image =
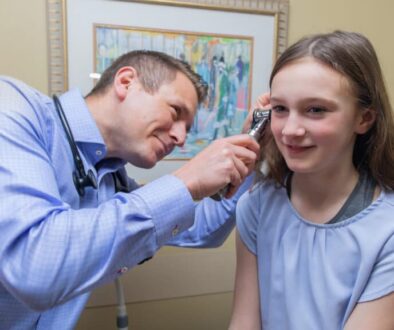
<point x="124" y="78"/>
<point x="365" y="120"/>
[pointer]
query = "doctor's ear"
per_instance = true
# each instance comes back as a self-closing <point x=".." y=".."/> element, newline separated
<point x="366" y="120"/>
<point x="124" y="78"/>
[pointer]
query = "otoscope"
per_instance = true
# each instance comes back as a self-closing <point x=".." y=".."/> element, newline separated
<point x="261" y="117"/>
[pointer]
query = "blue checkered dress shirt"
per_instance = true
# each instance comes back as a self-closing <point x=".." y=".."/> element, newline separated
<point x="56" y="246"/>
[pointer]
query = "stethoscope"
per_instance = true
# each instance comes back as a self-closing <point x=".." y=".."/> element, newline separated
<point x="82" y="181"/>
<point x="80" y="178"/>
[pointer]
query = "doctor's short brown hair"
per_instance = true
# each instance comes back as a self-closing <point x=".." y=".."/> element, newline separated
<point x="153" y="69"/>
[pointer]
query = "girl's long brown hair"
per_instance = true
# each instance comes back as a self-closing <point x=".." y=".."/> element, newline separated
<point x="352" y="55"/>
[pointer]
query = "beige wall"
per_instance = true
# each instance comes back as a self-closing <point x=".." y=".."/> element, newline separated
<point x="24" y="55"/>
<point x="23" y="34"/>
<point x="371" y="17"/>
<point x="23" y="41"/>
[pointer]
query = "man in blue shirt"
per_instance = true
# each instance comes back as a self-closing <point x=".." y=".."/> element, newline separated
<point x="59" y="242"/>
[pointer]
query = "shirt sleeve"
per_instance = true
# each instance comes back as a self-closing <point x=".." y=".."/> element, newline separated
<point x="214" y="221"/>
<point x="51" y="252"/>
<point x="381" y="280"/>
<point x="247" y="218"/>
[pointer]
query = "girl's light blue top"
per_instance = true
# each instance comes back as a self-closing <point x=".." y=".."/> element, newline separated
<point x="311" y="276"/>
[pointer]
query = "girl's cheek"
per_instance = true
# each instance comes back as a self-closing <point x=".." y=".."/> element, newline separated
<point x="276" y="128"/>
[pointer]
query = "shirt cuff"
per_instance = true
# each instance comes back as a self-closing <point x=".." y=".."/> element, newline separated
<point x="246" y="185"/>
<point x="171" y="206"/>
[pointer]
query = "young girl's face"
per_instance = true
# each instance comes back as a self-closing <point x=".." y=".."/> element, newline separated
<point x="315" y="118"/>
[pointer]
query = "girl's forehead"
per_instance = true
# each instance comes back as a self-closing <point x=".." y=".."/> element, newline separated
<point x="305" y="70"/>
<point x="308" y="78"/>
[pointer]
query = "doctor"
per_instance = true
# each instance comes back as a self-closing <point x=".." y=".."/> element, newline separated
<point x="70" y="218"/>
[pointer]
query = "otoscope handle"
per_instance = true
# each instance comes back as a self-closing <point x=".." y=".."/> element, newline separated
<point x="260" y="119"/>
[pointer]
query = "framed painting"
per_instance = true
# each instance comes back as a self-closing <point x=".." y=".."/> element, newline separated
<point x="231" y="43"/>
<point x="223" y="61"/>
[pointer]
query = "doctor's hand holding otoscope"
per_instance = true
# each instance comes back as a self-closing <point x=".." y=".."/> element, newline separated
<point x="239" y="154"/>
<point x="254" y="125"/>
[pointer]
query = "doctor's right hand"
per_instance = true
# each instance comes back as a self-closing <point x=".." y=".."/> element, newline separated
<point x="225" y="161"/>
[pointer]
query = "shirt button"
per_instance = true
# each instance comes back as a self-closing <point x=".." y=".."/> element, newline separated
<point x="99" y="152"/>
<point x="175" y="231"/>
<point x="123" y="270"/>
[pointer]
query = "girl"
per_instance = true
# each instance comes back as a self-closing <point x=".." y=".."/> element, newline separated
<point x="315" y="248"/>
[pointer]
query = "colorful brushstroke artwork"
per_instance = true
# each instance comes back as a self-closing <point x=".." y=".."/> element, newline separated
<point x="223" y="61"/>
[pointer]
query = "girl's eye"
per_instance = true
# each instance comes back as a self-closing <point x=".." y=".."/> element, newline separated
<point x="316" y="109"/>
<point x="278" y="108"/>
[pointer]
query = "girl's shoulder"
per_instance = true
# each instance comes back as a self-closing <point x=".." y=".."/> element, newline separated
<point x="388" y="197"/>
<point x="266" y="188"/>
<point x="267" y="191"/>
<point x="261" y="198"/>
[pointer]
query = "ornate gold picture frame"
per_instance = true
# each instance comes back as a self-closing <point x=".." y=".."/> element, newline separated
<point x="57" y="17"/>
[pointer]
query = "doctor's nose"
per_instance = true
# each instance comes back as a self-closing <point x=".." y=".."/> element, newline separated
<point x="178" y="133"/>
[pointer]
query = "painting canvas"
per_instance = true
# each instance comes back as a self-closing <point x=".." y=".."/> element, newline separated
<point x="223" y="61"/>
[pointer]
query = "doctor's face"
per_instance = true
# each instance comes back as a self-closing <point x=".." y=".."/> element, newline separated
<point x="151" y="125"/>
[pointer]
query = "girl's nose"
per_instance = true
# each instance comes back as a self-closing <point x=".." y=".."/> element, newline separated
<point x="293" y="126"/>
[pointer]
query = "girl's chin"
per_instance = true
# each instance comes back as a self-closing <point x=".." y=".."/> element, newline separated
<point x="299" y="168"/>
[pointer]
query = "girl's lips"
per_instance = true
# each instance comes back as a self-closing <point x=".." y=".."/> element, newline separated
<point x="294" y="149"/>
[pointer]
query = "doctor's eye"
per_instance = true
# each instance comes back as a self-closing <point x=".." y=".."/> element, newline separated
<point x="176" y="111"/>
